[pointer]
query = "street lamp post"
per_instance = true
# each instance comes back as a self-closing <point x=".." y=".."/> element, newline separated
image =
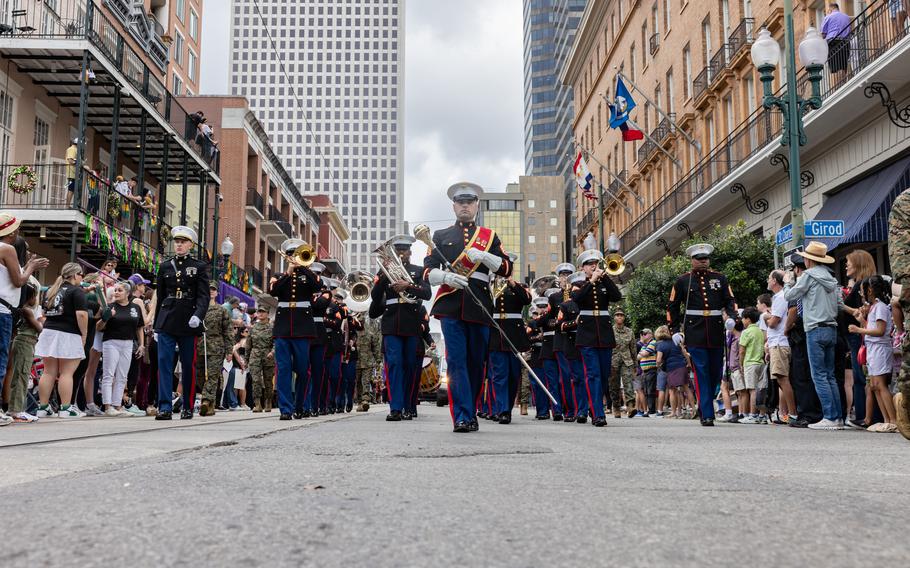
<point x="227" y="249"/>
<point x="813" y="52"/>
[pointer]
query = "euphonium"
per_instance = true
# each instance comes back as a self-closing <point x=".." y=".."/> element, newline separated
<point x="358" y="285"/>
<point x="390" y="264"/>
<point x="543" y="284"/>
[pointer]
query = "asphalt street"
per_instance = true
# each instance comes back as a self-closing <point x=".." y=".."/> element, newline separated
<point x="356" y="490"/>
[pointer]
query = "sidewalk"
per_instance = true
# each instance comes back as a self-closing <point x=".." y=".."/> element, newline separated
<point x="56" y="446"/>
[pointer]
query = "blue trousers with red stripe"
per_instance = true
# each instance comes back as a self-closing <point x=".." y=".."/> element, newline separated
<point x="167" y="350"/>
<point x="333" y="380"/>
<point x="598" y="364"/>
<point x="579" y="388"/>
<point x="551" y="370"/>
<point x="708" y="363"/>
<point x="466" y="355"/>
<point x="412" y="387"/>
<point x="567" y="383"/>
<point x="308" y="386"/>
<point x="541" y="402"/>
<point x="348" y="379"/>
<point x="506" y="371"/>
<point x="398" y="352"/>
<point x="292" y="355"/>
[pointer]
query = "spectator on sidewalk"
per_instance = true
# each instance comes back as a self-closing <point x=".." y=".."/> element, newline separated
<point x="673" y="360"/>
<point x="779" y="346"/>
<point x="818" y="290"/>
<point x="646" y="381"/>
<point x="733" y="378"/>
<point x="23" y="351"/>
<point x="752" y="360"/>
<point x="121" y="322"/>
<point x="860" y="265"/>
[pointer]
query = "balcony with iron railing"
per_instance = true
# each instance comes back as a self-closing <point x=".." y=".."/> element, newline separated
<point x="654" y="43"/>
<point x="871" y="37"/>
<point x="665" y="128"/>
<point x="615" y="185"/>
<point x="255" y="202"/>
<point x="718" y="64"/>
<point x="700" y="84"/>
<point x="644" y="151"/>
<point x="740" y="40"/>
<point x="256" y="277"/>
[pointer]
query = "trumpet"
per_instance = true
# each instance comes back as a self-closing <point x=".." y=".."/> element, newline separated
<point x="303" y="255"/>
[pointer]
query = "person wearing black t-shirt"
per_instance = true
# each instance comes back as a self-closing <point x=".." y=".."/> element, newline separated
<point x="121" y="322"/>
<point x="62" y="342"/>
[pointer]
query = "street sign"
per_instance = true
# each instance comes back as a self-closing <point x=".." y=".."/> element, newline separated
<point x="787" y="254"/>
<point x="816" y="229"/>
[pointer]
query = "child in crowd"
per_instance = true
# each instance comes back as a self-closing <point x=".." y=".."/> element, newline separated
<point x="647" y="362"/>
<point x="879" y="355"/>
<point x="673" y="359"/>
<point x="752" y="362"/>
<point x="765" y="397"/>
<point x="23" y="352"/>
<point x="733" y="378"/>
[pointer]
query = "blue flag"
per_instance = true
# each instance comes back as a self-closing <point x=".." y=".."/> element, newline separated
<point x="622" y="105"/>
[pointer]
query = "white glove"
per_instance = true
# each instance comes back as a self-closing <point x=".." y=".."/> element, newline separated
<point x="491" y="261"/>
<point x="155" y="335"/>
<point x="194" y="322"/>
<point x="677" y="339"/>
<point x="438" y="277"/>
<point x="729" y="324"/>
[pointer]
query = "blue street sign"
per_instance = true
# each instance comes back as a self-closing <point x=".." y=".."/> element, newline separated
<point x="816" y="229"/>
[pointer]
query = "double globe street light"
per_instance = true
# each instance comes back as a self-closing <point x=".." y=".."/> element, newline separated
<point x="813" y="52"/>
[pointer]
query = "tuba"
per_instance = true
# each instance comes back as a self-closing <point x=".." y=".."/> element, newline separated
<point x="358" y="284"/>
<point x="543" y="284"/>
<point x="390" y="265"/>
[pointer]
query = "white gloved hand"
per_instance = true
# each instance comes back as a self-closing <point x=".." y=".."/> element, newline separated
<point x="436" y="277"/>
<point x="155" y="335"/>
<point x="456" y="280"/>
<point x="194" y="322"/>
<point x="677" y="339"/>
<point x="491" y="261"/>
<point x="730" y="323"/>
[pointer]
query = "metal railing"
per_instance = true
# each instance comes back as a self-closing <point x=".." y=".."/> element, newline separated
<point x="255" y="276"/>
<point x="719" y="62"/>
<point x="615" y="185"/>
<point x="741" y="36"/>
<point x="286" y="228"/>
<point x="872" y="34"/>
<point x="645" y="150"/>
<point x="700" y="83"/>
<point x="665" y="128"/>
<point x="654" y="43"/>
<point x="254" y="199"/>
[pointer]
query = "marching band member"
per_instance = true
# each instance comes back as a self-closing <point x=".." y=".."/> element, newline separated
<point x="335" y="316"/>
<point x="568" y="325"/>
<point x="475" y="253"/>
<point x="550" y="366"/>
<point x="309" y="399"/>
<point x="352" y="328"/>
<point x="294" y="328"/>
<point x="595" y="328"/>
<point x="401" y="322"/>
<point x="183" y="298"/>
<point x="506" y="368"/>
<point x="705" y="295"/>
<point x="535" y="336"/>
<point x="564" y="369"/>
<point x="426" y="342"/>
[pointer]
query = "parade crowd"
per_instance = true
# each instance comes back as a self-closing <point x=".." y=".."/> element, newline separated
<point x="809" y="353"/>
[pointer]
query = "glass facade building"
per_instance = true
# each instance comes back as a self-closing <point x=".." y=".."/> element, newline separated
<point x="503" y="213"/>
<point x="549" y="33"/>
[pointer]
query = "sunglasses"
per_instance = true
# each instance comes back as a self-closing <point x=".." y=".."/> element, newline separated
<point x="465" y="200"/>
<point x="701" y="257"/>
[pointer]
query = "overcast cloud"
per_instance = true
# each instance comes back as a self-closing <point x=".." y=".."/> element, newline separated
<point x="463" y="97"/>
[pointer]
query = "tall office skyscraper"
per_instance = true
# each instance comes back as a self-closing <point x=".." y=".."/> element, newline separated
<point x="326" y="77"/>
<point x="549" y="33"/>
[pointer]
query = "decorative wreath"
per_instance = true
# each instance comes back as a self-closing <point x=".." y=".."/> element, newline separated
<point x="16" y="183"/>
<point x="165" y="234"/>
<point x="113" y="205"/>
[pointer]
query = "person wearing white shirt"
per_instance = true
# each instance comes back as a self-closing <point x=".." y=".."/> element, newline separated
<point x="779" y="345"/>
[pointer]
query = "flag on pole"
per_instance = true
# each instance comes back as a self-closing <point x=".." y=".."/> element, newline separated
<point x="583" y="177"/>
<point x="619" y="112"/>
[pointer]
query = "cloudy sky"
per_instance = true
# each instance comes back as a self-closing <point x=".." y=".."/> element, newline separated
<point x="463" y="96"/>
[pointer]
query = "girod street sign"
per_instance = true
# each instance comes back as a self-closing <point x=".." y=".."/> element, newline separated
<point x="816" y="229"/>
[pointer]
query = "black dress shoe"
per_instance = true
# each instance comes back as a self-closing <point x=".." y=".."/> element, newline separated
<point x="186" y="414"/>
<point x="461" y="427"/>
<point x="473" y="426"/>
<point x="707" y="422"/>
<point x="284" y="417"/>
<point x="505" y="418"/>
<point x="163" y="415"/>
<point x="799" y="423"/>
<point x="298" y="414"/>
<point x="406" y="416"/>
<point x="348" y="408"/>
<point x="581" y="419"/>
<point x="557" y="418"/>
<point x="543" y="417"/>
<point x="599" y="422"/>
<point x="414" y="414"/>
<point x="569" y="418"/>
<point x="394" y="416"/>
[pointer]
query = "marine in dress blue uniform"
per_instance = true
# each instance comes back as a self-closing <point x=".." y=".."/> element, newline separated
<point x="352" y="327"/>
<point x="535" y="336"/>
<point x="506" y="369"/>
<point x="182" y="284"/>
<point x="567" y="321"/>
<point x="294" y="328"/>
<point x="426" y="342"/>
<point x="548" y="355"/>
<point x="594" y="335"/>
<point x="474" y="253"/>
<point x="334" y="344"/>
<point x="310" y="397"/>
<point x="704" y="295"/>
<point x="566" y="377"/>
<point x="401" y="327"/>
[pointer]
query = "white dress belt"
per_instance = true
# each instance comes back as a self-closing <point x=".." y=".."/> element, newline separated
<point x="704" y="313"/>
<point x="394" y="301"/>
<point x="595" y="313"/>
<point x="303" y="304"/>
<point x="318" y="319"/>
<point x="482" y="276"/>
<point x="546" y="333"/>
<point x="507" y="316"/>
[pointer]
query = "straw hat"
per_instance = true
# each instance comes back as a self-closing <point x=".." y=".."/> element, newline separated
<point x="816" y="251"/>
<point x="8" y="223"/>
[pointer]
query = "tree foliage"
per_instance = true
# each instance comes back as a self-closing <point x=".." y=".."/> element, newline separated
<point x="745" y="259"/>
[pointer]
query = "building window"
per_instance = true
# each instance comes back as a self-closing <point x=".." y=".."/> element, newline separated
<point x="530" y="204"/>
<point x="553" y="239"/>
<point x="194" y="25"/>
<point x="687" y="61"/>
<point x="178" y="48"/>
<point x="191" y="65"/>
<point x="180" y="9"/>
<point x="554" y="221"/>
<point x="552" y="204"/>
<point x="532" y="221"/>
<point x="532" y="239"/>
<point x="666" y="15"/>
<point x="178" y="86"/>
<point x="554" y="257"/>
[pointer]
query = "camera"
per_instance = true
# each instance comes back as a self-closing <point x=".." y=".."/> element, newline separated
<point x="220" y="197"/>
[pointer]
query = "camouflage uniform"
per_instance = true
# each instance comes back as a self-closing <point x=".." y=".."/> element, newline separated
<point x="260" y="345"/>
<point x="624" y="367"/>
<point x="219" y="342"/>
<point x="369" y="358"/>
<point x="899" y="251"/>
<point x="524" y="389"/>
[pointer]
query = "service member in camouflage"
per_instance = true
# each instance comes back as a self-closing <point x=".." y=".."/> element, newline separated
<point x="899" y="251"/>
<point x="624" y="365"/>
<point x="260" y="349"/>
<point x="369" y="360"/>
<point x="219" y="342"/>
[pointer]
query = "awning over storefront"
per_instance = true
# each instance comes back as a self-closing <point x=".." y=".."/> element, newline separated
<point x="865" y="205"/>
<point x="225" y="290"/>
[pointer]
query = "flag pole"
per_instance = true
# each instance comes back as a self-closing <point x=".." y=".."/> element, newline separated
<point x="600" y="213"/>
<point x="655" y="142"/>
<point x="695" y="144"/>
<point x="609" y="171"/>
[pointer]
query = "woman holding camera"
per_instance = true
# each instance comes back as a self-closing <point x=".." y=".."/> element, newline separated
<point x="121" y="322"/>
